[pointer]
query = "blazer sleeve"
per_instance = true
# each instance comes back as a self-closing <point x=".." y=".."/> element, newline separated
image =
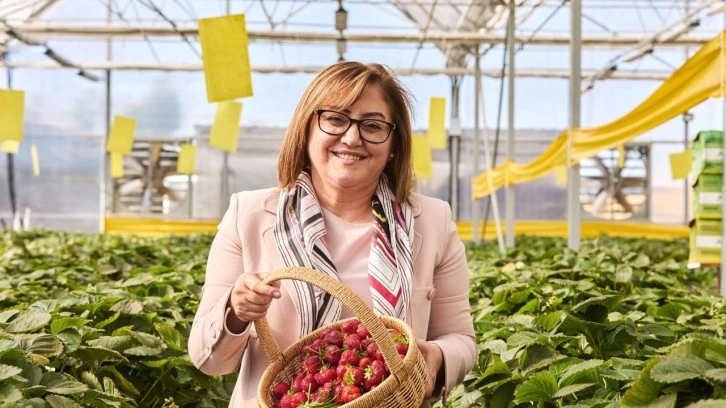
<point x="450" y="325"/>
<point x="212" y="347"/>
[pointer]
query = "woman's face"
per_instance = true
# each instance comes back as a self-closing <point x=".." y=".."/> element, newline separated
<point x="347" y="162"/>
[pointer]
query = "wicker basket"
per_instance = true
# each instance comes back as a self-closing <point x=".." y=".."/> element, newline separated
<point x="404" y="388"/>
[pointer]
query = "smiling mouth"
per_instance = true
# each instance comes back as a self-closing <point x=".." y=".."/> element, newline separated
<point x="348" y="156"/>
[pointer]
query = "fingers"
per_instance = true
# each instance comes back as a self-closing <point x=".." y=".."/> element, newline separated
<point x="432" y="357"/>
<point x="251" y="297"/>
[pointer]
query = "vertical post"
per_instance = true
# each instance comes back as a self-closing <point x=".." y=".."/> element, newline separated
<point x="103" y="170"/>
<point x="509" y="192"/>
<point x="721" y="280"/>
<point x="475" y="169"/>
<point x="224" y="183"/>
<point x="573" y="173"/>
<point x="687" y="117"/>
<point x="454" y="148"/>
<point x="14" y="213"/>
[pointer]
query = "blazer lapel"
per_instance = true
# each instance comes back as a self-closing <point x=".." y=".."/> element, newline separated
<point x="268" y="237"/>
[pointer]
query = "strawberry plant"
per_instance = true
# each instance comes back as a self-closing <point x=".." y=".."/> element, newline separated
<point x="618" y="323"/>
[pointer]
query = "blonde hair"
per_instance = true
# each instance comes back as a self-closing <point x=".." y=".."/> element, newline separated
<point x="339" y="86"/>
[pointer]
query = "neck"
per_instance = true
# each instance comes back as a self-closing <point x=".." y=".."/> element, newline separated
<point x="351" y="206"/>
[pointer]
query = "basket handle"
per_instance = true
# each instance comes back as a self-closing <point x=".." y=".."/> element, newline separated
<point x="341" y="292"/>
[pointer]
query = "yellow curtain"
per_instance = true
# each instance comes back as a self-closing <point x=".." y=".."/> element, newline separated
<point x="698" y="79"/>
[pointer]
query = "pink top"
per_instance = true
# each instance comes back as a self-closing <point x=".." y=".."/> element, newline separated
<point x="350" y="245"/>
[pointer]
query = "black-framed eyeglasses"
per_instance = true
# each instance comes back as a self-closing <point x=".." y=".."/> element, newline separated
<point x="336" y="124"/>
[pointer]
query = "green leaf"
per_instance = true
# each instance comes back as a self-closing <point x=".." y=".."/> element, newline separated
<point x="503" y="396"/>
<point x="62" y="384"/>
<point x="644" y="390"/>
<point x="172" y="337"/>
<point x="541" y="387"/>
<point x="45" y="305"/>
<point x="534" y="354"/>
<point x="6" y="315"/>
<point x="58" y="325"/>
<point x="109" y="320"/>
<point x="572" y="389"/>
<point x="549" y="321"/>
<point x="41" y="344"/>
<point x="148" y="340"/>
<point x="71" y="339"/>
<point x="607" y="301"/>
<point x="578" y="371"/>
<point x="522" y="338"/>
<point x="9" y="393"/>
<point x="496" y="372"/>
<point x="7" y="371"/>
<point x="128" y="306"/>
<point x="675" y="369"/>
<point x="57" y="401"/>
<point x="716" y="374"/>
<point x="143" y="351"/>
<point x="664" y="401"/>
<point x="118" y="343"/>
<point x="28" y="320"/>
<point x="710" y="403"/>
<point x="126" y="385"/>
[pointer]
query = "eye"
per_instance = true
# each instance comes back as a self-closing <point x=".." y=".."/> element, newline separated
<point x="336" y="119"/>
<point x="372" y="126"/>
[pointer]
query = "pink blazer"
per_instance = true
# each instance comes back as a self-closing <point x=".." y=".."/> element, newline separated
<point x="439" y="308"/>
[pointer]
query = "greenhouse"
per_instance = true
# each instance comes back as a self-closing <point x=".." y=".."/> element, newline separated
<point x="359" y="203"/>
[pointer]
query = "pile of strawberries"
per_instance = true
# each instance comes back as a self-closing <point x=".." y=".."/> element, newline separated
<point x="339" y="367"/>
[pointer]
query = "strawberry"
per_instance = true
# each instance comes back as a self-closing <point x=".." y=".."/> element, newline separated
<point x="340" y="371"/>
<point x="296" y="383"/>
<point x="373" y="352"/>
<point x="362" y="331"/>
<point x="308" y="383"/>
<point x="315" y="347"/>
<point x="402" y="349"/>
<point x="299" y="399"/>
<point x="325" y="375"/>
<point x="280" y="389"/>
<point x="350" y="326"/>
<point x="352" y="342"/>
<point x="312" y="365"/>
<point x="349" y="357"/>
<point x="334" y="337"/>
<point x="349" y="393"/>
<point x="353" y="376"/>
<point x="286" y="401"/>
<point x="364" y="362"/>
<point x="332" y="354"/>
<point x="325" y="332"/>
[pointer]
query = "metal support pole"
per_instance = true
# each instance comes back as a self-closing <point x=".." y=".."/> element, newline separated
<point x="509" y="192"/>
<point x="687" y="117"/>
<point x="454" y="148"/>
<point x="104" y="179"/>
<point x="224" y="183"/>
<point x="721" y="280"/>
<point x="475" y="169"/>
<point x="573" y="173"/>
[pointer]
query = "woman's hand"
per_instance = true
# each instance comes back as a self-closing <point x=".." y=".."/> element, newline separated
<point x="250" y="300"/>
<point x="434" y="359"/>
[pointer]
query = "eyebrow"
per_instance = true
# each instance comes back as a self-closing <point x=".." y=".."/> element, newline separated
<point x="368" y="114"/>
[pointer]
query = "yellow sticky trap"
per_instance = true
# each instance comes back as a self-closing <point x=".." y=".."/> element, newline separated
<point x="187" y="162"/>
<point x="224" y="134"/>
<point x="10" y="146"/>
<point x="35" y="160"/>
<point x="561" y="176"/>
<point x="12" y="105"/>
<point x="621" y="156"/>
<point x="437" y="123"/>
<point x="680" y="164"/>
<point x="421" y="157"/>
<point x="117" y="165"/>
<point x="121" y="138"/>
<point x="225" y="57"/>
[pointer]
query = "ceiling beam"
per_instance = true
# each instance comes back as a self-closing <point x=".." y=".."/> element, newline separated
<point x="446" y="37"/>
<point x="493" y="73"/>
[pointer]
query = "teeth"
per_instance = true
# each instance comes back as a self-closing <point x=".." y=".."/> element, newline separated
<point x="347" y="156"/>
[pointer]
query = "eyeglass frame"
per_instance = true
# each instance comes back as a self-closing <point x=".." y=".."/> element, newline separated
<point x="391" y="126"/>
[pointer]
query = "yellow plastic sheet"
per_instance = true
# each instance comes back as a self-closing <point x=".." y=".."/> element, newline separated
<point x="437" y="123"/>
<point x="158" y="226"/>
<point x="589" y="229"/>
<point x="225" y="56"/>
<point x="12" y="105"/>
<point x="187" y="162"/>
<point x="421" y="157"/>
<point x="10" y="146"/>
<point x="121" y="137"/>
<point x="697" y="80"/>
<point x="680" y="164"/>
<point x="224" y="134"/>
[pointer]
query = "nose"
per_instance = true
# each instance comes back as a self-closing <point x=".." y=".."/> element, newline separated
<point x="352" y="136"/>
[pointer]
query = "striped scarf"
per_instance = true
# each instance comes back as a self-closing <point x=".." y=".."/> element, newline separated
<point x="299" y="228"/>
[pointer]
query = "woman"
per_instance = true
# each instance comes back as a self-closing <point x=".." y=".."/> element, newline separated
<point x="345" y="208"/>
